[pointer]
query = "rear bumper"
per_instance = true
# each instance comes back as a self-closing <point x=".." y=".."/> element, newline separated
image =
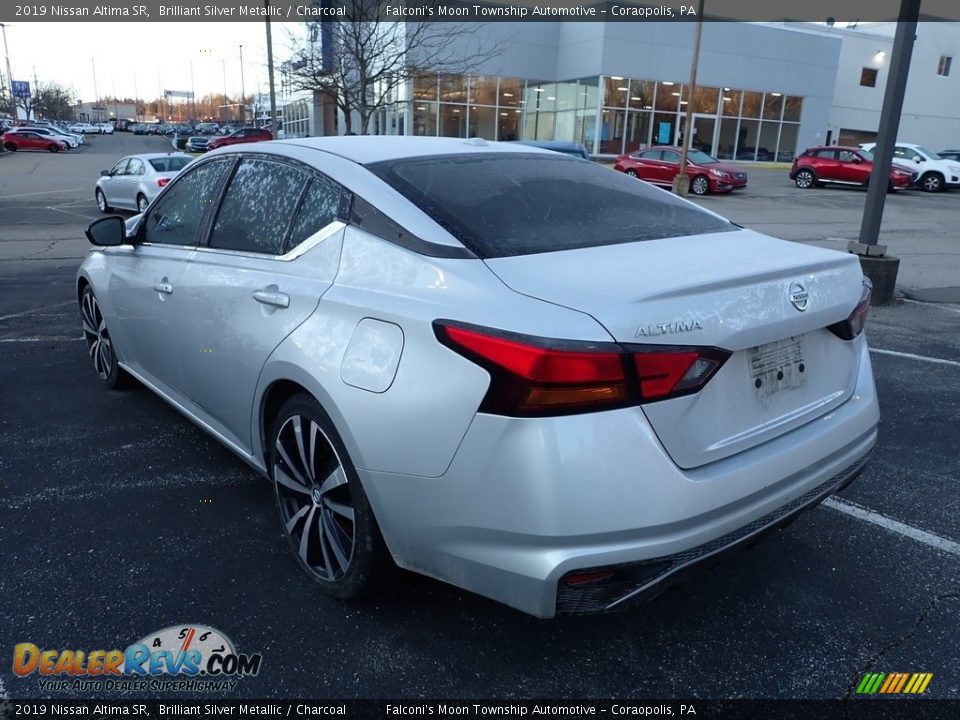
<point x="525" y="502"/>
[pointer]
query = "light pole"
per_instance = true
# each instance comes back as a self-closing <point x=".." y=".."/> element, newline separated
<point x="6" y="52"/>
<point x="273" y="93"/>
<point x="243" y="91"/>
<point x="681" y="183"/>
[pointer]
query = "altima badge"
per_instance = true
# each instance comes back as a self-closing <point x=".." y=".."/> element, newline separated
<point x="668" y="328"/>
<point x="799" y="297"/>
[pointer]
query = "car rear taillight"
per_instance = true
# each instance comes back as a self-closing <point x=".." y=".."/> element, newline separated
<point x="161" y="182"/>
<point x="851" y="327"/>
<point x="536" y="377"/>
<point x="665" y="372"/>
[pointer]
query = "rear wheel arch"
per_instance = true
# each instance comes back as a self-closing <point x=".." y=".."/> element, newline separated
<point x="274" y="398"/>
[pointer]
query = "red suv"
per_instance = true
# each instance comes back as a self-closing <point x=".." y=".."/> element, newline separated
<point x="26" y="140"/>
<point x="243" y="135"/>
<point x="659" y="165"/>
<point x="843" y="165"/>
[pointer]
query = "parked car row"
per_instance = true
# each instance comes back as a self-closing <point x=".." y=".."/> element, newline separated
<point x="913" y="166"/>
<point x="104" y="128"/>
<point x="48" y="138"/>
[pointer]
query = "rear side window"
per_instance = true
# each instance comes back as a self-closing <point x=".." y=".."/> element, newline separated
<point x="319" y="209"/>
<point x="170" y="164"/>
<point x="257" y="207"/>
<point x="505" y="204"/>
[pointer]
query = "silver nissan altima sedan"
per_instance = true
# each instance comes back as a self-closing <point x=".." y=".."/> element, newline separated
<point x="502" y="367"/>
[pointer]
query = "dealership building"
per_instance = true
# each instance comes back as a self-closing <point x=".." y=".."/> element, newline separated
<point x="764" y="91"/>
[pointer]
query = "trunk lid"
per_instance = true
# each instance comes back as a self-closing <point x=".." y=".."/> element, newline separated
<point x="736" y="291"/>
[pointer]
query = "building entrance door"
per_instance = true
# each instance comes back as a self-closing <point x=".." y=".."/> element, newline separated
<point x="704" y="134"/>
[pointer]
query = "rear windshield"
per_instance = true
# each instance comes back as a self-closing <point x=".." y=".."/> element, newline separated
<point x="504" y="204"/>
<point x="171" y="164"/>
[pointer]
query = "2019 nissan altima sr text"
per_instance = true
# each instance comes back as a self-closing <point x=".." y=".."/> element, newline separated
<point x="509" y="369"/>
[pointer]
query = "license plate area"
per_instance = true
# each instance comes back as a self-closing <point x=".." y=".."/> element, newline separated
<point x="778" y="366"/>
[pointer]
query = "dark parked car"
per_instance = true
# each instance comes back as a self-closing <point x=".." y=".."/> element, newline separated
<point x="844" y="166"/>
<point x="243" y="135"/>
<point x="660" y="165"/>
<point x="197" y="144"/>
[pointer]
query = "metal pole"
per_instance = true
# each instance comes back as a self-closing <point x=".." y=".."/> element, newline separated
<point x="887" y="133"/>
<point x="243" y="91"/>
<point x="273" y="94"/>
<point x="96" y="92"/>
<point x="6" y="52"/>
<point x="193" y="95"/>
<point x="224" y="82"/>
<point x="136" y="100"/>
<point x="681" y="183"/>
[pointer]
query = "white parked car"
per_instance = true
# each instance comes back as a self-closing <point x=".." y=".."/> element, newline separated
<point x="106" y="128"/>
<point x="85" y="128"/>
<point x="934" y="173"/>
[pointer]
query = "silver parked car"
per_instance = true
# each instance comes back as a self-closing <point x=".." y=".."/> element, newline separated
<point x="136" y="180"/>
<point x="496" y="365"/>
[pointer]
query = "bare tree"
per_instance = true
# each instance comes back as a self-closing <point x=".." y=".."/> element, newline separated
<point x="371" y="59"/>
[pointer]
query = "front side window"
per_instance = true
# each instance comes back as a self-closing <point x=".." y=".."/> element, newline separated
<point x="135" y="167"/>
<point x="257" y="207"/>
<point x="507" y="204"/>
<point x="121" y="167"/>
<point x="176" y="218"/>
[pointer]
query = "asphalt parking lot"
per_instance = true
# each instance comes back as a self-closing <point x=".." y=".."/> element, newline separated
<point x="118" y="517"/>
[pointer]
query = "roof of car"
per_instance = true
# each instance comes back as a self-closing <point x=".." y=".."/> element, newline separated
<point x="365" y="149"/>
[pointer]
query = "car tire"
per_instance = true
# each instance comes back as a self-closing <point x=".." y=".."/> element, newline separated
<point x="100" y="346"/>
<point x="9" y="147"/>
<point x="142" y="203"/>
<point x="805" y="179"/>
<point x="102" y="202"/>
<point x="700" y="185"/>
<point x="53" y="148"/>
<point x="631" y="172"/>
<point x="931" y="182"/>
<point x="324" y="511"/>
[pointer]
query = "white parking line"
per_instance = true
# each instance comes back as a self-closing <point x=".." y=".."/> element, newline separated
<point x="40" y="192"/>
<point x="911" y="356"/>
<point x="871" y="516"/>
<point x="36" y="310"/>
<point x="41" y="339"/>
<point x="941" y="306"/>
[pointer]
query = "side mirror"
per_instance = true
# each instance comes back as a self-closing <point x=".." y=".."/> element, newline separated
<point x="918" y="160"/>
<point x="107" y="232"/>
<point x="105" y="173"/>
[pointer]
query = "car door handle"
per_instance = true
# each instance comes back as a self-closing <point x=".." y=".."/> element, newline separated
<point x="268" y="297"/>
<point x="163" y="287"/>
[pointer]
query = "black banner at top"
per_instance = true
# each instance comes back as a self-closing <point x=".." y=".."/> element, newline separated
<point x="840" y="12"/>
<point x="915" y="708"/>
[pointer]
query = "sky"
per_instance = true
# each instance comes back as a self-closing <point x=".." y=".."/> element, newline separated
<point x="143" y="59"/>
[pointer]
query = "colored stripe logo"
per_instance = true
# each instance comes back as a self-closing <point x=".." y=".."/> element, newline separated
<point x="894" y="683"/>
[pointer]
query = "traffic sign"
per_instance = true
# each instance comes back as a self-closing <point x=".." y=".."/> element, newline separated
<point x="21" y="89"/>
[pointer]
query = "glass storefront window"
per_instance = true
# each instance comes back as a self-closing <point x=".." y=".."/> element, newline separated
<point x="425" y="87"/>
<point x="752" y="102"/>
<point x="668" y="97"/>
<point x="772" y="106"/>
<point x="615" y="91"/>
<point x="704" y="99"/>
<point x="612" y="126"/>
<point x="538" y="125"/>
<point x="565" y="125"/>
<point x="791" y="109"/>
<point x="424" y="118"/>
<point x="588" y="91"/>
<point x="730" y="102"/>
<point x="767" y="143"/>
<point x="727" y="139"/>
<point x="747" y="139"/>
<point x="585" y="128"/>
<point x="511" y="92"/>
<point x="664" y="129"/>
<point x="482" y="122"/>
<point x="453" y="88"/>
<point x="508" y="124"/>
<point x="788" y="142"/>
<point x="567" y="95"/>
<point x="540" y="97"/>
<point x="453" y="120"/>
<point x="483" y="90"/>
<point x="638" y="130"/>
<point x="641" y="95"/>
